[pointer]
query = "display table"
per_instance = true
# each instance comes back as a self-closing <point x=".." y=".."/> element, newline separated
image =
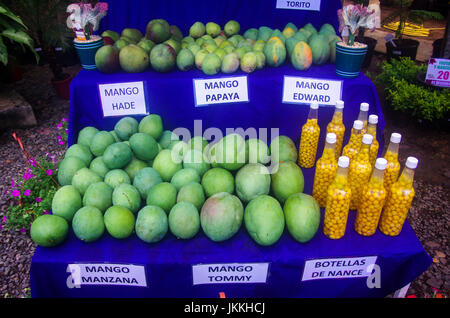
<point x="171" y="95"/>
<point x="169" y="265"/>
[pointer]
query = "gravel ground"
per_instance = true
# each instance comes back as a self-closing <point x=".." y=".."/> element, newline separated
<point x="429" y="214"/>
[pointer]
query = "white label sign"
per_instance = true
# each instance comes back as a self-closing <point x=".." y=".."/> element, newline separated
<point x="231" y="273"/>
<point x="438" y="72"/>
<point x="351" y="267"/>
<point x="312" y="5"/>
<point x="122" y="99"/>
<point x="304" y="90"/>
<point x="220" y="90"/>
<point x="106" y="274"/>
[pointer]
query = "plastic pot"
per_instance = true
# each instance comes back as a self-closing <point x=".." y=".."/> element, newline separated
<point x="404" y="48"/>
<point x="62" y="87"/>
<point x="437" y="45"/>
<point x="349" y="60"/>
<point x="86" y="52"/>
<point x="371" y="44"/>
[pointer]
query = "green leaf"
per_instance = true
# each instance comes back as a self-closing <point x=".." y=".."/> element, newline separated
<point x="4" y="11"/>
<point x="3" y="52"/>
<point x="18" y="36"/>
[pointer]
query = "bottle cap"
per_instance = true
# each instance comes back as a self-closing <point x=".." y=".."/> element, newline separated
<point x="396" y="138"/>
<point x="367" y="139"/>
<point x="373" y="119"/>
<point x="331" y="138"/>
<point x="381" y="164"/>
<point x="358" y="124"/>
<point x="364" y="107"/>
<point x="411" y="162"/>
<point x="314" y="105"/>
<point x="340" y="104"/>
<point x="343" y="161"/>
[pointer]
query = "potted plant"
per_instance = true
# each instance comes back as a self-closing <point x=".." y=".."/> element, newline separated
<point x="12" y="31"/>
<point x="350" y="54"/>
<point x="401" y="46"/>
<point x="44" y="19"/>
<point x="84" y="20"/>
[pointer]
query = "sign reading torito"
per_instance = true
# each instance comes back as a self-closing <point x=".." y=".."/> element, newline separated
<point x="123" y="99"/>
<point x="304" y="90"/>
<point x="438" y="72"/>
<point x="312" y="5"/>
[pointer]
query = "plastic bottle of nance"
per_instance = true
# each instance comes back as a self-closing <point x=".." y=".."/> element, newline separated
<point x="309" y="139"/>
<point x="393" y="166"/>
<point x="372" y="130"/>
<point x="326" y="168"/>
<point x="359" y="172"/>
<point x="338" y="202"/>
<point x="373" y="197"/>
<point x="399" y="201"/>
<point x="336" y="126"/>
<point x="354" y="144"/>
<point x="363" y="114"/>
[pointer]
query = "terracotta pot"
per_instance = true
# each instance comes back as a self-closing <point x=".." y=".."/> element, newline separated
<point x="62" y="87"/>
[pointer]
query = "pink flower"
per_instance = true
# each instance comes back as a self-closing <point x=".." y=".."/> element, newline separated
<point x="61" y="142"/>
<point x="4" y="219"/>
<point x="27" y="176"/>
<point x="38" y="199"/>
<point x="59" y="126"/>
<point x="27" y="192"/>
<point x="13" y="184"/>
<point x="15" y="193"/>
<point x="59" y="137"/>
<point x="49" y="172"/>
<point x="32" y="161"/>
<point x="64" y="119"/>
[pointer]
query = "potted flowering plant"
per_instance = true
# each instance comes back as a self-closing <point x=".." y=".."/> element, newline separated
<point x="350" y="54"/>
<point x="84" y="20"/>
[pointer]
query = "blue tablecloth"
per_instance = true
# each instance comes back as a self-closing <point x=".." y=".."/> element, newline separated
<point x="183" y="13"/>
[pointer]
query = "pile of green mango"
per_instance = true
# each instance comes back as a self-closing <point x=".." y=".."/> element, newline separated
<point x="139" y="178"/>
<point x="212" y="49"/>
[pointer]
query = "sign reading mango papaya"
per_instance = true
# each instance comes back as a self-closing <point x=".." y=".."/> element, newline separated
<point x="221" y="90"/>
<point x="230" y="273"/>
<point x="304" y="90"/>
<point x="122" y="99"/>
<point x="106" y="274"/>
<point x="351" y="267"/>
<point x="312" y="5"/>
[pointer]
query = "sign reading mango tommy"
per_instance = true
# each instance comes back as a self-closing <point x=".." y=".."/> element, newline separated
<point x="304" y="90"/>
<point x="123" y="99"/>
<point x="106" y="274"/>
<point x="351" y="267"/>
<point x="312" y="5"/>
<point x="231" y="273"/>
<point x="220" y="90"/>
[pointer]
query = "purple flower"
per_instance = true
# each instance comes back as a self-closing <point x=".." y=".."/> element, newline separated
<point x="59" y="126"/>
<point x="23" y="231"/>
<point x="32" y="161"/>
<point x="49" y="172"/>
<point x="61" y="142"/>
<point x="27" y="176"/>
<point x="27" y="192"/>
<point x="64" y="119"/>
<point x="13" y="184"/>
<point x="15" y="193"/>
<point x="38" y="199"/>
<point x="4" y="219"/>
<point x="59" y="137"/>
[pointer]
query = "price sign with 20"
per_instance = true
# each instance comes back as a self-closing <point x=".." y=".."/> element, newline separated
<point x="438" y="72"/>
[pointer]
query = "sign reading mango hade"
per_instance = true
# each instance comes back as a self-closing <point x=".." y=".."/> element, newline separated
<point x="304" y="90"/>
<point x="123" y="99"/>
<point x="106" y="274"/>
<point x="312" y="5"/>
<point x="220" y="90"/>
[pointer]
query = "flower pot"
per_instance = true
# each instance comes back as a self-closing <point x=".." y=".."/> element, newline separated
<point x="86" y="51"/>
<point x="437" y="45"/>
<point x="371" y="44"/>
<point x="62" y="86"/>
<point x="405" y="48"/>
<point x="349" y="59"/>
